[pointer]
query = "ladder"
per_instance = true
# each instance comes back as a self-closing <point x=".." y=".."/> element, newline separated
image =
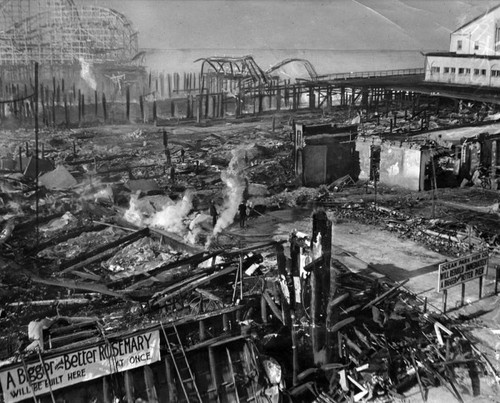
<point x="233" y="376"/>
<point x="181" y="365"/>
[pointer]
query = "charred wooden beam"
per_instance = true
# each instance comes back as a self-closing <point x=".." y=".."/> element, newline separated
<point x="64" y="237"/>
<point x="84" y="256"/>
<point x="194" y="284"/>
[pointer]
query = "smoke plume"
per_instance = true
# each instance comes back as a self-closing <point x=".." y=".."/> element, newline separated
<point x="234" y="187"/>
<point x="87" y="74"/>
<point x="171" y="218"/>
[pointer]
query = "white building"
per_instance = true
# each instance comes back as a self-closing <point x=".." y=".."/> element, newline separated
<point x="474" y="56"/>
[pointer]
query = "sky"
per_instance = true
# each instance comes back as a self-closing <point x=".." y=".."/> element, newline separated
<point x="304" y="24"/>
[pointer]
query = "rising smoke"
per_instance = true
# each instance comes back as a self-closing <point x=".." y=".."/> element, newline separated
<point x="234" y="182"/>
<point x="87" y="74"/>
<point x="172" y="217"/>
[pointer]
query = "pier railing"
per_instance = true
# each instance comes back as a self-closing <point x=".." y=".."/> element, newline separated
<point x="371" y="74"/>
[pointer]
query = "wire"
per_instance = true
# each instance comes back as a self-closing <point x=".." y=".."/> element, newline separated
<point x="18" y="99"/>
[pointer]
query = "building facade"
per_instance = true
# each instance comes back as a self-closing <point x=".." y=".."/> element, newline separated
<point x="474" y="54"/>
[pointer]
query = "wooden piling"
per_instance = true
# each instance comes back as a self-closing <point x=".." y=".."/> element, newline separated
<point x="104" y="107"/>
<point x="141" y="105"/>
<point x="127" y="103"/>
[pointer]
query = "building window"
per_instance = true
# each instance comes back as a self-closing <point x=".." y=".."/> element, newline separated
<point x="467" y="71"/>
<point x="495" y="73"/>
<point x="476" y="72"/>
<point x="460" y="70"/>
<point x="483" y="72"/>
<point x="446" y="70"/>
<point x="453" y="70"/>
<point x="476" y="45"/>
<point x="459" y="45"/>
<point x="435" y="70"/>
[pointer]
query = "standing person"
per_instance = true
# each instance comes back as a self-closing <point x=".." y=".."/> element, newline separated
<point x="213" y="213"/>
<point x="242" y="208"/>
<point x="165" y="147"/>
<point x="182" y="154"/>
<point x="172" y="173"/>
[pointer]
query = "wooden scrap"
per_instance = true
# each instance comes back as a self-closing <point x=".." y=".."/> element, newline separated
<point x="100" y="288"/>
<point x="385" y="294"/>
<point x="92" y="255"/>
<point x="195" y="284"/>
<point x="274" y="308"/>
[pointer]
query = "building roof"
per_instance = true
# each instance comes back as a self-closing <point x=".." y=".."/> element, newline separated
<point x="477" y="18"/>
<point x="462" y="55"/>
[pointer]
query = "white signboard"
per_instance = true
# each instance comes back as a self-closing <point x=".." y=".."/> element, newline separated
<point x="79" y="366"/>
<point x="461" y="270"/>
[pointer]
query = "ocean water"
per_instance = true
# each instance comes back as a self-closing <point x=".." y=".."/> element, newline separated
<point x="324" y="61"/>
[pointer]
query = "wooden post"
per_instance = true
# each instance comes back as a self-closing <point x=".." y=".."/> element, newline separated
<point x="222" y="105"/>
<point x="66" y="110"/>
<point x="104" y="107"/>
<point x="21" y="163"/>
<point x="83" y="106"/>
<point x="320" y="286"/>
<point x="79" y="106"/>
<point x="127" y="103"/>
<point x="481" y="287"/>
<point x="201" y="328"/>
<point x="141" y="105"/>
<point x="278" y="98"/>
<point x="295" y="353"/>
<point x="154" y="111"/>
<point x="207" y="104"/>
<point x="149" y="382"/>
<point x="213" y="372"/>
<point x="445" y="300"/>
<point x="129" y="387"/>
<point x="172" y="390"/>
<point x="106" y="392"/>
<point x="462" y="299"/>
<point x="497" y="267"/>
<point x="312" y="101"/>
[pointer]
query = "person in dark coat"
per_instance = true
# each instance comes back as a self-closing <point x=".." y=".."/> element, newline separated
<point x="213" y="213"/>
<point x="242" y="209"/>
<point x="172" y="173"/>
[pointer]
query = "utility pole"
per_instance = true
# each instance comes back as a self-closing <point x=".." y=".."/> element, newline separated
<point x="434" y="184"/>
<point x="35" y="96"/>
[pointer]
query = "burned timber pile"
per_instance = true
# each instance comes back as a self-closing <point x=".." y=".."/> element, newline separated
<point x="117" y="285"/>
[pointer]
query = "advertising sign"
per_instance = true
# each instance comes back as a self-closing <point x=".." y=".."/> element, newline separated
<point x="461" y="270"/>
<point x="20" y="382"/>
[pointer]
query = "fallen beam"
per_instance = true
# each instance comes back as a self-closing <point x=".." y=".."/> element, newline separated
<point x="195" y="284"/>
<point x="99" y="288"/>
<point x="69" y="264"/>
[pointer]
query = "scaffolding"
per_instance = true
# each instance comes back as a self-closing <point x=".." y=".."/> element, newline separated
<point x="60" y="32"/>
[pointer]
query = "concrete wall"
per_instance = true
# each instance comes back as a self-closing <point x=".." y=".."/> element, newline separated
<point x="363" y="149"/>
<point x="481" y="32"/>
<point x="400" y="165"/>
<point x="467" y="76"/>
